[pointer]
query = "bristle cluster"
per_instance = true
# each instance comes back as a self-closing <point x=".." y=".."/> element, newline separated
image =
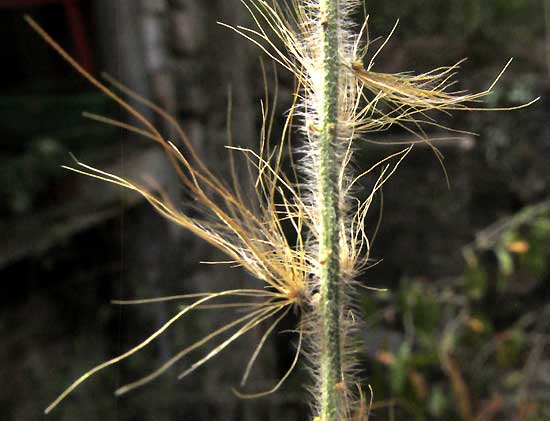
<point x="252" y="233"/>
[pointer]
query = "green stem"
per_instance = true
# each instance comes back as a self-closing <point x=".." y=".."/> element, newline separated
<point x="330" y="306"/>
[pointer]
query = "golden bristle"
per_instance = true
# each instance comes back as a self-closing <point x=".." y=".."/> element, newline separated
<point x="251" y="235"/>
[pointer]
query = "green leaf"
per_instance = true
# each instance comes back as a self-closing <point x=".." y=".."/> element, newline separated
<point x="399" y="369"/>
<point x="438" y="402"/>
<point x="505" y="261"/>
<point x="475" y="280"/>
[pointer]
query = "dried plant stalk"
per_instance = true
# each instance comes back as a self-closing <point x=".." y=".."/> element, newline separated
<point x="338" y="100"/>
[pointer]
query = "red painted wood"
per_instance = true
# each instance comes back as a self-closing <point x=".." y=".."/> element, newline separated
<point x="26" y="3"/>
<point x="74" y="21"/>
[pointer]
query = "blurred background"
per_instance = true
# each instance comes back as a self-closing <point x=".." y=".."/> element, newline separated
<point x="463" y="332"/>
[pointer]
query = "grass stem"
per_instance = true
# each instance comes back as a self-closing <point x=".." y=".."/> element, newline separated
<point x="328" y="199"/>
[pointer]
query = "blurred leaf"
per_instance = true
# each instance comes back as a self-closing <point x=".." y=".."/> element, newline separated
<point x="518" y="247"/>
<point x="385" y="357"/>
<point x="476" y="325"/>
<point x="510" y="349"/>
<point x="475" y="282"/>
<point x="513" y="379"/>
<point x="438" y="401"/>
<point x="419" y="383"/>
<point x="535" y="259"/>
<point x="505" y="267"/>
<point x="399" y="369"/>
<point x="541" y="228"/>
<point x="505" y="261"/>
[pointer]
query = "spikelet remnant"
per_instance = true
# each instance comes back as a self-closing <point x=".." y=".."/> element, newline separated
<point x="406" y="99"/>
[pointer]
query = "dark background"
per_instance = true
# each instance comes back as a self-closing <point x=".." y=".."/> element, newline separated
<point x="463" y="332"/>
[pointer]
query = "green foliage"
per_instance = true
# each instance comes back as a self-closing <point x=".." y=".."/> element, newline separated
<point x="399" y="369"/>
<point x="496" y="21"/>
<point x="475" y="282"/>
<point x="438" y="402"/>
<point x="470" y="330"/>
<point x="43" y="129"/>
